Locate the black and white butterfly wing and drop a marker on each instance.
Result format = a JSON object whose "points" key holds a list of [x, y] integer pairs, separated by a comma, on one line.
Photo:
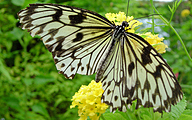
{"points": [[137, 71], [84, 42], [77, 38]]}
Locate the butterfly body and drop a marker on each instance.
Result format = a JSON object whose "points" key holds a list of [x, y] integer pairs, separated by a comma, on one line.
{"points": [[84, 42], [118, 32]]}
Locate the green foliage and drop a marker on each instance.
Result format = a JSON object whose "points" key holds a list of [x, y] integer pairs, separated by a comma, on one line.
{"points": [[31, 87], [147, 113]]}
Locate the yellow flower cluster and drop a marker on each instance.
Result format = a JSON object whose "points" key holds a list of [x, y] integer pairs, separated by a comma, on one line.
{"points": [[185, 13], [154, 40], [120, 17], [88, 100]]}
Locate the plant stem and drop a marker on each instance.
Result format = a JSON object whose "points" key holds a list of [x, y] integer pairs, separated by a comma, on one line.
{"points": [[168, 23], [153, 23]]}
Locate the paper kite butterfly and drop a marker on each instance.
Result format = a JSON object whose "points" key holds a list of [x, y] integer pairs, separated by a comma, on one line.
{"points": [[84, 42]]}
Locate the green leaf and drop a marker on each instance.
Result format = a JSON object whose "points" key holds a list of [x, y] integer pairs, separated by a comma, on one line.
{"points": [[144, 113], [4, 71], [17, 33], [43, 79], [187, 112], [177, 110], [34, 116], [58, 101], [38, 108], [185, 117], [13, 102], [146, 117], [18, 2], [113, 116], [27, 81]]}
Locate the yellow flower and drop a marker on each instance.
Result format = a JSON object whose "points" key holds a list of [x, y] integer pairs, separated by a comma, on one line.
{"points": [[111, 16], [120, 17], [185, 13], [155, 41], [88, 100]]}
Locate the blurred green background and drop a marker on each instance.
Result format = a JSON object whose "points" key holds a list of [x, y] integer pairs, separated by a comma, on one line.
{"points": [[30, 86]]}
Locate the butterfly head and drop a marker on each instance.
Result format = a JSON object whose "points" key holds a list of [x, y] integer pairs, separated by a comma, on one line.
{"points": [[129, 26], [125, 24], [120, 29]]}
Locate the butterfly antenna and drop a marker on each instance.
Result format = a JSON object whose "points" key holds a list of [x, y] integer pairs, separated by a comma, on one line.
{"points": [[147, 16], [127, 10]]}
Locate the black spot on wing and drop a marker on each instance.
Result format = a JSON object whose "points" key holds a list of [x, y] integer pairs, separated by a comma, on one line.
{"points": [[79, 36], [63, 65], [76, 19], [79, 64], [59, 47], [109, 83], [28, 26], [53, 32], [41, 29], [116, 97], [145, 56], [157, 73], [128, 92], [104, 83], [55, 60], [130, 68], [108, 92], [72, 68], [147, 85], [57, 15], [26, 18], [82, 68]]}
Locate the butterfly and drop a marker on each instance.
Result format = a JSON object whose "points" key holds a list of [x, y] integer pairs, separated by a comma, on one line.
{"points": [[84, 42]]}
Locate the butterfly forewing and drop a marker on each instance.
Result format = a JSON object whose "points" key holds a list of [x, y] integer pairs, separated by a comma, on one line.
{"points": [[84, 42], [77, 38]]}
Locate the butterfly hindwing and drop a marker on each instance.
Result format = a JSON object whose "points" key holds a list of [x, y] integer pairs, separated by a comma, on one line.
{"points": [[137, 71], [76, 37]]}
